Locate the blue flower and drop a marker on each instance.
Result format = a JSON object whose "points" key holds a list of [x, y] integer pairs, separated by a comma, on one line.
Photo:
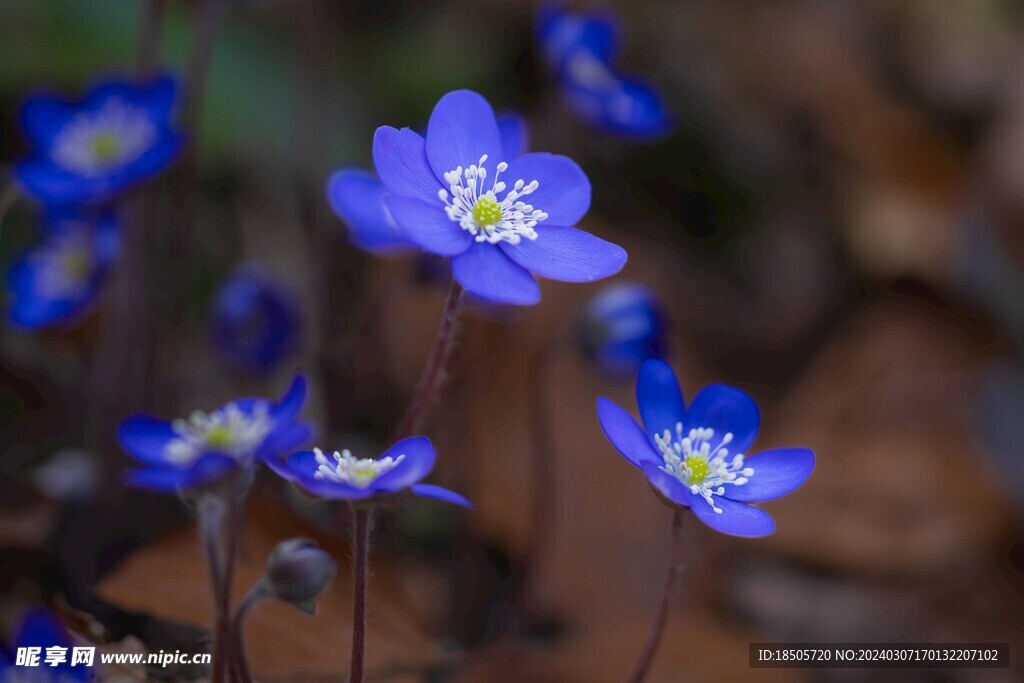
{"points": [[58, 280], [621, 327], [357, 196], [92, 150], [254, 323], [346, 477], [695, 457], [40, 629], [501, 230], [207, 446], [580, 47]]}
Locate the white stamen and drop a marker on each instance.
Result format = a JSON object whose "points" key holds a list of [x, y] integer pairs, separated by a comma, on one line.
{"points": [[518, 218], [229, 431], [348, 469], [688, 458], [94, 142]]}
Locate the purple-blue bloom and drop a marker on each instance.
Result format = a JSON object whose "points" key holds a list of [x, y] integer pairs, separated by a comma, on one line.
{"points": [[254, 322], [501, 219], [90, 150], [205, 447], [57, 280], [623, 325], [342, 476], [696, 456], [357, 196], [579, 48], [39, 628]]}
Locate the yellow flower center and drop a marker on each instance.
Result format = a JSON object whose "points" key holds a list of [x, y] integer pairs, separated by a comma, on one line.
{"points": [[106, 147], [699, 469], [219, 437], [486, 211]]}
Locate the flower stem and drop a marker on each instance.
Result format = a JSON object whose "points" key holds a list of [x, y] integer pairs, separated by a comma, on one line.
{"points": [[361, 528], [433, 373], [654, 637], [211, 517], [255, 594]]}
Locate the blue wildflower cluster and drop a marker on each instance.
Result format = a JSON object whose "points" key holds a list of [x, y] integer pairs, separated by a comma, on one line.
{"points": [[580, 48], [85, 155]]}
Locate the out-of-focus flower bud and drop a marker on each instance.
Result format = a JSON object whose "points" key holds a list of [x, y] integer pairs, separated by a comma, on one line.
{"points": [[297, 572], [621, 327]]}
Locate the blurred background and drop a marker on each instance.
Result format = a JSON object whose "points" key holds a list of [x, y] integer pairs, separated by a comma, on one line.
{"points": [[831, 220]]}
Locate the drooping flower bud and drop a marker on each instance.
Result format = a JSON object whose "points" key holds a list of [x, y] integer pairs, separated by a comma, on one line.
{"points": [[297, 572]]}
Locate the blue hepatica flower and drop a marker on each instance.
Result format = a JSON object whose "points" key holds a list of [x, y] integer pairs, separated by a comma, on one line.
{"points": [[357, 196], [207, 446], [37, 635], [580, 47], [501, 220], [58, 279], [254, 323], [695, 457], [93, 149], [342, 476], [622, 326]]}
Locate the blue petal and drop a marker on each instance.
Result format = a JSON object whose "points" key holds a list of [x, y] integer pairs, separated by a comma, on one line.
{"points": [[563, 34], [419, 460], [153, 161], [485, 270], [622, 106], [567, 254], [776, 473], [462, 129], [736, 519], [401, 161], [170, 479], [515, 136], [357, 197], [563, 192], [53, 185], [296, 467], [40, 628], [159, 96], [284, 439], [726, 410], [659, 397], [145, 438], [290, 404], [440, 493], [427, 225], [625, 434], [42, 117], [668, 485]]}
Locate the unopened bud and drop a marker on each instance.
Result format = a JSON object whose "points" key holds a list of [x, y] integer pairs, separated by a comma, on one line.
{"points": [[297, 572]]}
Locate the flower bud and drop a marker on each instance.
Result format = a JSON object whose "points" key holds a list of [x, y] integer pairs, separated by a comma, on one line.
{"points": [[622, 326], [297, 572]]}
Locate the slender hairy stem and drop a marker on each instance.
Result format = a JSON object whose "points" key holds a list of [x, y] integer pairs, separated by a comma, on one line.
{"points": [[255, 594], [233, 534], [654, 637], [433, 373], [211, 518], [8, 198], [543, 482], [361, 522]]}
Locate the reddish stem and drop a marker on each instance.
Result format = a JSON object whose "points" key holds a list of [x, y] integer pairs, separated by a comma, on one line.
{"points": [[360, 562]]}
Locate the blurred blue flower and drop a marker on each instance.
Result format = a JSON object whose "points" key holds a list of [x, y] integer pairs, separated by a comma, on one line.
{"points": [[695, 456], [91, 150], [621, 327], [40, 629], [579, 48], [438, 195], [345, 477], [207, 446], [357, 196], [254, 323], [58, 280]]}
